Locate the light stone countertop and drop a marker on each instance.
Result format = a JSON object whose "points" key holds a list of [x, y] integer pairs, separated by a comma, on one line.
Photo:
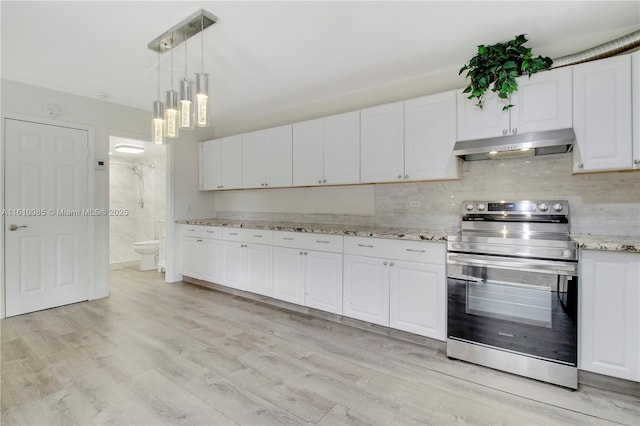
{"points": [[352, 230], [629, 244], [623, 243]]}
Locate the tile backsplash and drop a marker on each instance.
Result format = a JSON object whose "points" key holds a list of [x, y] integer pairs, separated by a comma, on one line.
{"points": [[601, 203]]}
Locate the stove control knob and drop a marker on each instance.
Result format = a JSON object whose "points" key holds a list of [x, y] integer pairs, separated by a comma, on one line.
{"points": [[557, 207], [481, 207], [543, 207], [469, 207], [566, 253]]}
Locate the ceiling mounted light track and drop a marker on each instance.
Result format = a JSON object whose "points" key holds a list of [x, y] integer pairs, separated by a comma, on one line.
{"points": [[169, 115]]}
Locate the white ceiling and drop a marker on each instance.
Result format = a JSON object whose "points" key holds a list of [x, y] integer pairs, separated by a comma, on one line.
{"points": [[267, 56]]}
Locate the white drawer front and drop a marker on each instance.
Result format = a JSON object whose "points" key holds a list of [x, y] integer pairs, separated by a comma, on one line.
{"points": [[307, 241], [202, 231], [412, 251], [247, 235]]}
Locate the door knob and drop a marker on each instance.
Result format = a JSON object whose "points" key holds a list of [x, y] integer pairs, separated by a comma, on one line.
{"points": [[14, 227]]}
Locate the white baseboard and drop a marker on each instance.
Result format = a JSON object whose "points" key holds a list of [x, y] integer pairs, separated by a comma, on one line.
{"points": [[124, 264]]}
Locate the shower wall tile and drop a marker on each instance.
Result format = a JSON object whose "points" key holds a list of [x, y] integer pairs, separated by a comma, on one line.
{"points": [[124, 193]]}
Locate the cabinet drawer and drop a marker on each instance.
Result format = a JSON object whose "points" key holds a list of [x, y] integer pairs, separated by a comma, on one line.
{"points": [[306, 241], [247, 235], [201, 231], [413, 251]]}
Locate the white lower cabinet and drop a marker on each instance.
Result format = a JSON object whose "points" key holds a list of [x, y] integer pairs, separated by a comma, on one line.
{"points": [[232, 265], [417, 299], [201, 254], [191, 257], [308, 278], [247, 267], [366, 289], [288, 274], [323, 281], [395, 283], [609, 318], [400, 284]]}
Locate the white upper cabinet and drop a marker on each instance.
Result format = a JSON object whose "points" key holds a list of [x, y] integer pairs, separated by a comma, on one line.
{"points": [[342, 148], [542, 102], [267, 158], [479, 123], [429, 136], [326, 151], [382, 143], [602, 115], [221, 163], [307, 153], [209, 165]]}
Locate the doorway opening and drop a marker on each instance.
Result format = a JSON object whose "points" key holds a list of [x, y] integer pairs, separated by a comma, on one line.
{"points": [[137, 204]]}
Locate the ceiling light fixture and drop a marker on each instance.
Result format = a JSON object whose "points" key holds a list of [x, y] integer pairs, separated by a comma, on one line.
{"points": [[188, 114], [171, 109], [186, 97], [157, 122], [129, 148], [202, 88]]}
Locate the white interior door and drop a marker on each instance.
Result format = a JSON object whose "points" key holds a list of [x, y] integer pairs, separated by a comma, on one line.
{"points": [[47, 233]]}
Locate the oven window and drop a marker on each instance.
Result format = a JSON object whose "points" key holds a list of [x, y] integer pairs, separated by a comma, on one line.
{"points": [[518, 296]]}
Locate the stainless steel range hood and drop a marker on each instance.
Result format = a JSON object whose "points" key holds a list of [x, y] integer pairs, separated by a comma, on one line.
{"points": [[520, 145]]}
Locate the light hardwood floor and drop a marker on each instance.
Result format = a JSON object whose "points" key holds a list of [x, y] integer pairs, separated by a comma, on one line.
{"points": [[155, 353]]}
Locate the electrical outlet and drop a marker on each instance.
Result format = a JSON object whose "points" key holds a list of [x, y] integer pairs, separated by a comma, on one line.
{"points": [[415, 204]]}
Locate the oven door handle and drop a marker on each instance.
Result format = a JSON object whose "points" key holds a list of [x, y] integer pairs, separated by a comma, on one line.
{"points": [[531, 265]]}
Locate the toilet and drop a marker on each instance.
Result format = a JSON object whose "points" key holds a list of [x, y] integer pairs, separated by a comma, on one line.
{"points": [[148, 250]]}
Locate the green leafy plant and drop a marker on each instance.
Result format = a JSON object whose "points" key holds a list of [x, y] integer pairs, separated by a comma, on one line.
{"points": [[496, 68]]}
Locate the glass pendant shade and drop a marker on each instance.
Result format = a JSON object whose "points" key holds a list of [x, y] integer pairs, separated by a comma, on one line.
{"points": [[157, 123], [186, 104], [171, 115], [202, 100]]}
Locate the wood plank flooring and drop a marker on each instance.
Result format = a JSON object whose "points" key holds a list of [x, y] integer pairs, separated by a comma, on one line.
{"points": [[155, 353]]}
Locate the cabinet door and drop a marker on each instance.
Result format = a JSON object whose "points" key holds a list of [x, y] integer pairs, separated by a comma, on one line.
{"points": [[257, 269], [543, 102], [254, 159], [307, 153], [366, 289], [323, 281], [211, 254], [609, 321], [288, 275], [279, 157], [342, 148], [231, 162], [602, 114], [209, 165], [382, 143], [418, 298], [429, 136], [232, 263], [191, 265], [478, 123]]}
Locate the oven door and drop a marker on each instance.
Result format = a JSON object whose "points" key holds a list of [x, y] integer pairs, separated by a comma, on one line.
{"points": [[527, 306]]}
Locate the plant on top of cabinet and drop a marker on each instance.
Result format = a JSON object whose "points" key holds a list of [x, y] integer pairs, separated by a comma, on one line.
{"points": [[496, 67]]}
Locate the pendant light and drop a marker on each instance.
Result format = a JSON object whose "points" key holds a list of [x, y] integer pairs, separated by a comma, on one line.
{"points": [[202, 87], [171, 110], [184, 111], [186, 96], [157, 122]]}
